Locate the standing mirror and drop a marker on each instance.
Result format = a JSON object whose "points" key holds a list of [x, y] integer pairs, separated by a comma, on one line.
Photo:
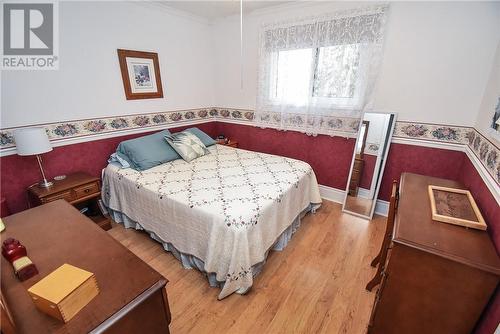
{"points": [[368, 162]]}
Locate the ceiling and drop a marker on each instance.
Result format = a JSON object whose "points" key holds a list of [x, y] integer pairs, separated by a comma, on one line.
{"points": [[218, 9]]}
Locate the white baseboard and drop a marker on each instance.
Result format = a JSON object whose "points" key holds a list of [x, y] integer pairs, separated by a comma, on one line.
{"points": [[382, 208], [332, 194], [337, 196]]}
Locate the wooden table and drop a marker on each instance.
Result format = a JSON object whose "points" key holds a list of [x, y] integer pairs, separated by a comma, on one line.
{"points": [[439, 276], [80, 189], [132, 295]]}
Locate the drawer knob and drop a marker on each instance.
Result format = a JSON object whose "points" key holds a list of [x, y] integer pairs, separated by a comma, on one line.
{"points": [[87, 190]]}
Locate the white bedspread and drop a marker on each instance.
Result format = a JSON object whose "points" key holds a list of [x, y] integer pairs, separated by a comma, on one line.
{"points": [[227, 208]]}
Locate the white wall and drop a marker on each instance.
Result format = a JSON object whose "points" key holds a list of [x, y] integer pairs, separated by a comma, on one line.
{"points": [[89, 84], [490, 101], [377, 129], [437, 62], [437, 58]]}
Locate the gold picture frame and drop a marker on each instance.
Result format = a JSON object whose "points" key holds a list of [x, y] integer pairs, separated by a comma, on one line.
{"points": [[455, 206]]}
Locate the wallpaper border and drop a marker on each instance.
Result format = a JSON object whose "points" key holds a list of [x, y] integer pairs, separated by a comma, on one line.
{"points": [[106, 125], [486, 152]]}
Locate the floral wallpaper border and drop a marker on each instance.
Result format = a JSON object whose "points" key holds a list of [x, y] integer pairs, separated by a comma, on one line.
{"points": [[88, 127], [486, 151]]}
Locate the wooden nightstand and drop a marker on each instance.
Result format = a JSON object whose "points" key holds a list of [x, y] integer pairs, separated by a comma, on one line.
{"points": [[231, 143], [79, 189]]}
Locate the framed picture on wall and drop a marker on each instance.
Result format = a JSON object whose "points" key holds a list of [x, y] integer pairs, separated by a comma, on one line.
{"points": [[140, 74]]}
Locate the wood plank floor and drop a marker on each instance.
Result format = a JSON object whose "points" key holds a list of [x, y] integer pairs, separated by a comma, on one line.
{"points": [[315, 285]]}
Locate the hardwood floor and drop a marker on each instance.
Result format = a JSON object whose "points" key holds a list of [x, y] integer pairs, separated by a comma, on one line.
{"points": [[316, 285]]}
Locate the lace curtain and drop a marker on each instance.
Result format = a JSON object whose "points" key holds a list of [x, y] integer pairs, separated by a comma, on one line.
{"points": [[317, 75]]}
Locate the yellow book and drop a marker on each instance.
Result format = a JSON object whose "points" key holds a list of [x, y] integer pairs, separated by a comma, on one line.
{"points": [[64, 292]]}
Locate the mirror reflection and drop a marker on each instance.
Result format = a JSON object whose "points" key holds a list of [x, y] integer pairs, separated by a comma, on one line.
{"points": [[368, 163]]}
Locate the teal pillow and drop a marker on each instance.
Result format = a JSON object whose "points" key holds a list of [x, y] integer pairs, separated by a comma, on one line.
{"points": [[148, 151], [205, 139]]}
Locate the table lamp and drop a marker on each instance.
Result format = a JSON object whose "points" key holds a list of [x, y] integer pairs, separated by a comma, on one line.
{"points": [[33, 141]]}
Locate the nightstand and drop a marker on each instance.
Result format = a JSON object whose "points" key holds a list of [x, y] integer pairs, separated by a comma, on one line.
{"points": [[231, 143], [79, 189]]}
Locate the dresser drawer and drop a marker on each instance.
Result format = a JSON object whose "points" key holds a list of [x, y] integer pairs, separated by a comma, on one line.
{"points": [[86, 190], [66, 195]]}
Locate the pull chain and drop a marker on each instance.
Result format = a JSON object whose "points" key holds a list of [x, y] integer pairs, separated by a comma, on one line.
{"points": [[241, 44]]}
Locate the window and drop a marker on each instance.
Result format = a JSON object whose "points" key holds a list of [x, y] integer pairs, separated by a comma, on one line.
{"points": [[336, 74], [292, 74], [333, 71], [314, 71]]}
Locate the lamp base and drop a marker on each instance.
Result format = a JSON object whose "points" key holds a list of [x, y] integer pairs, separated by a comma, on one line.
{"points": [[45, 184]]}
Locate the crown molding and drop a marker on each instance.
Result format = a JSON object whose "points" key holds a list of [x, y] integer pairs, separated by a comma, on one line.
{"points": [[299, 5], [160, 5]]}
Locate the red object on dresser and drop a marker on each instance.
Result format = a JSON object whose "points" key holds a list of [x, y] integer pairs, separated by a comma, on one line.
{"points": [[16, 254]]}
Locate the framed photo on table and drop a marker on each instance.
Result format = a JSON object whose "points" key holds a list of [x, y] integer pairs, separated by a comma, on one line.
{"points": [[455, 206], [140, 74]]}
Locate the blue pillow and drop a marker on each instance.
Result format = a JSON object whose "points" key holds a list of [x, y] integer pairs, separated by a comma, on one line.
{"points": [[205, 139], [120, 160], [148, 151]]}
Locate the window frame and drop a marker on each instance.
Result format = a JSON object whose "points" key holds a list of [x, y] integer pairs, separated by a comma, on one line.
{"points": [[340, 102]]}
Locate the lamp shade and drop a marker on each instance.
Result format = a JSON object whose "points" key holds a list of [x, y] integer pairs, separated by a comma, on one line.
{"points": [[31, 141]]}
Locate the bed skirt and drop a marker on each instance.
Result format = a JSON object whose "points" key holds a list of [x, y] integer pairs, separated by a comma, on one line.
{"points": [[189, 261]]}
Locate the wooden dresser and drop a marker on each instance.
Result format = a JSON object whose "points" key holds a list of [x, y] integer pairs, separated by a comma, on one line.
{"points": [[132, 297], [438, 277], [357, 172]]}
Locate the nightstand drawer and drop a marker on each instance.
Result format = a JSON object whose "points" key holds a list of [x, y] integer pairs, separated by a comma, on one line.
{"points": [[66, 195], [85, 190]]}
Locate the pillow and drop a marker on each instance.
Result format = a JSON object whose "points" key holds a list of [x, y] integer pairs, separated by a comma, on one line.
{"points": [[205, 139], [187, 145], [148, 151], [119, 160]]}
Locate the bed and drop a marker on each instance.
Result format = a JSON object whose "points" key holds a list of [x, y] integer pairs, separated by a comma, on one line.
{"points": [[220, 213]]}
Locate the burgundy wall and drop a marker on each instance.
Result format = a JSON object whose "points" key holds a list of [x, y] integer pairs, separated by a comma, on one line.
{"points": [[17, 173], [330, 158], [434, 162], [471, 179]]}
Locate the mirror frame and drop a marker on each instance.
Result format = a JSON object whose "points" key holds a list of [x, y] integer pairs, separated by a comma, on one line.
{"points": [[382, 167]]}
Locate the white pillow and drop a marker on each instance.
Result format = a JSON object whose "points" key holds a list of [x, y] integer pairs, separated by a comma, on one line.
{"points": [[187, 145]]}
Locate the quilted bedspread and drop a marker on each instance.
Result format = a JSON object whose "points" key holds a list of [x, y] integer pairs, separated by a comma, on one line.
{"points": [[226, 208]]}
